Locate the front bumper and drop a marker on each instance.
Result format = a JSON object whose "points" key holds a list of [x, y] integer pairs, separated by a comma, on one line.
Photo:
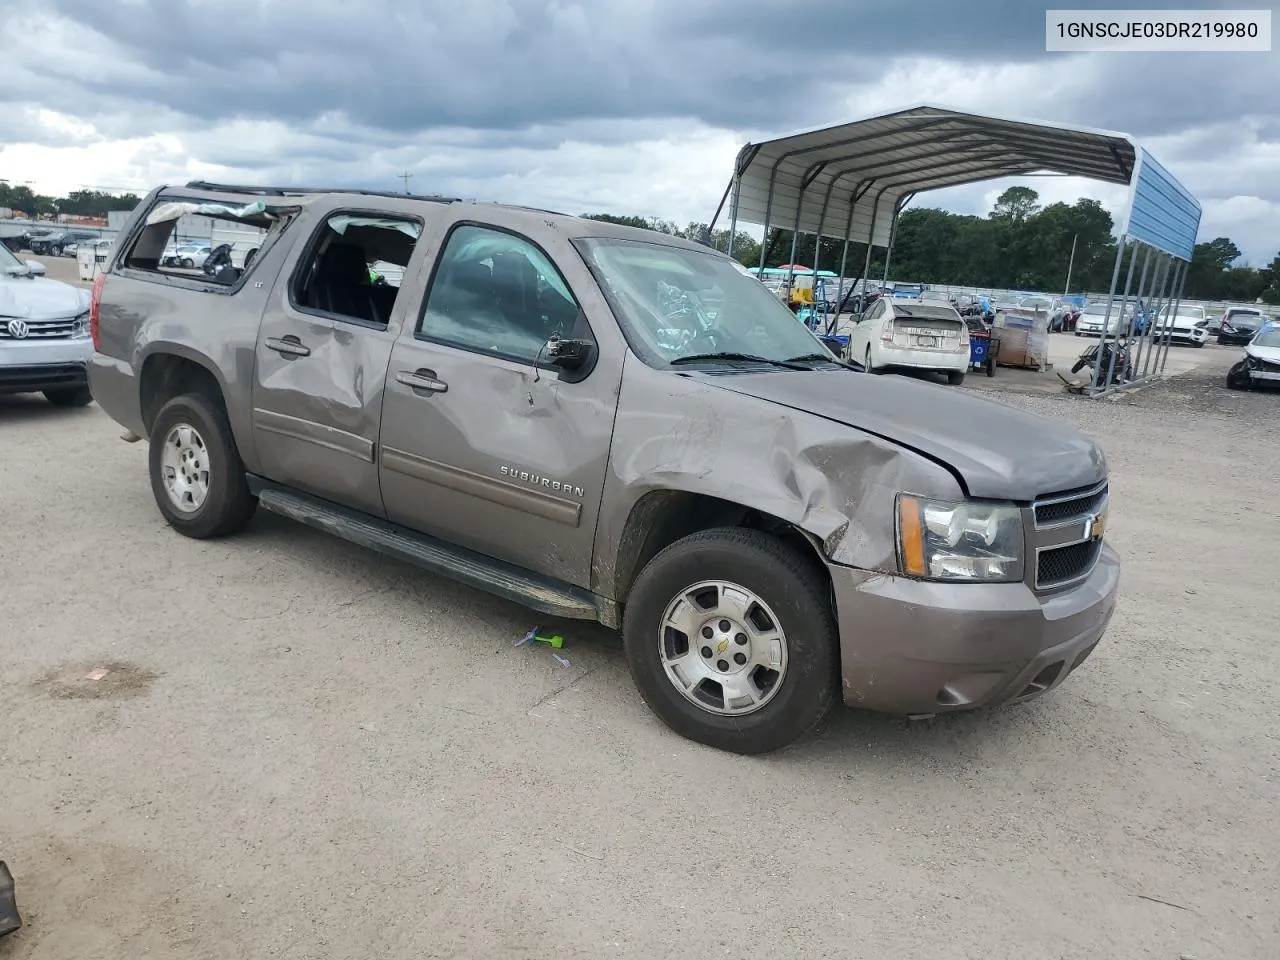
{"points": [[915, 647], [27, 366]]}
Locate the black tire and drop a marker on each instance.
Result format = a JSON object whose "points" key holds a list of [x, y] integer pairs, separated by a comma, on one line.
{"points": [[1199, 343], [991, 366], [69, 397], [955, 377], [228, 506], [1079, 365], [866, 361], [186, 263], [1238, 377], [784, 578]]}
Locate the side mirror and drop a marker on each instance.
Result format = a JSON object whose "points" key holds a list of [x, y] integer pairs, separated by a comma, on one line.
{"points": [[568, 354], [35, 268]]}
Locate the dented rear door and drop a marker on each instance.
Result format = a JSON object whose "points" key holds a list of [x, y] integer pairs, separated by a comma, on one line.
{"points": [[483, 443]]}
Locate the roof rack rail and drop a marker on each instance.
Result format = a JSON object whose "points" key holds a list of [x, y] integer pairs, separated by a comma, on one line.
{"points": [[302, 191]]}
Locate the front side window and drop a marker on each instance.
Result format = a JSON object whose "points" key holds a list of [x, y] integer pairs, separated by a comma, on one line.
{"points": [[494, 292], [345, 273], [680, 305]]}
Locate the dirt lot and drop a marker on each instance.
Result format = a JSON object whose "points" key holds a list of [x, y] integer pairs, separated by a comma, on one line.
{"points": [[303, 750]]}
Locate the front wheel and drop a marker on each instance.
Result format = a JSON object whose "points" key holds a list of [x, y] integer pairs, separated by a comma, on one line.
{"points": [[69, 397], [197, 476], [186, 263], [731, 640], [1238, 377]]}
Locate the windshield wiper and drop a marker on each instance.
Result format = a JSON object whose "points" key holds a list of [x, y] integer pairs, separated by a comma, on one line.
{"points": [[817, 358], [743, 357]]}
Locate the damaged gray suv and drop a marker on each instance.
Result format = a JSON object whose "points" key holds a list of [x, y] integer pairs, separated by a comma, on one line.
{"points": [[605, 423]]}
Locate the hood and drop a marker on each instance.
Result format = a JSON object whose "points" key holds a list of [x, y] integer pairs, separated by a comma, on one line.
{"points": [[996, 451], [37, 298], [1269, 354]]}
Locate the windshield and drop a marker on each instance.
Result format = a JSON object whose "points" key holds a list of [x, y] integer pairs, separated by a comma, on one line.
{"points": [[676, 303], [1268, 337], [9, 264]]}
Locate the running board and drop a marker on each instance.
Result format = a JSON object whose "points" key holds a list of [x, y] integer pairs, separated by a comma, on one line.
{"points": [[457, 563]]}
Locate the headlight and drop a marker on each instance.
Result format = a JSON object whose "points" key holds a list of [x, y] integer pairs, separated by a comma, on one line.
{"points": [[959, 541], [81, 327]]}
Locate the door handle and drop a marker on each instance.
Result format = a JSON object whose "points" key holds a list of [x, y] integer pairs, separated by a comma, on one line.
{"points": [[288, 347], [424, 380]]}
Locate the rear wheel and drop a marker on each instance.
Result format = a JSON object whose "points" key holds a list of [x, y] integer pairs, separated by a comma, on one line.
{"points": [[955, 377], [69, 397], [866, 361], [197, 476], [731, 640]]}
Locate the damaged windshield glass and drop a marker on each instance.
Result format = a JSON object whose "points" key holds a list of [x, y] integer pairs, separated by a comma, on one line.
{"points": [[686, 307]]}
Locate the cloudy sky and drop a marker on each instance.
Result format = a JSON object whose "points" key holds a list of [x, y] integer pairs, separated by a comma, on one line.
{"points": [[626, 106]]}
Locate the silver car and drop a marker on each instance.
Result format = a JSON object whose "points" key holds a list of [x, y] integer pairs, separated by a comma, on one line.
{"points": [[44, 334]]}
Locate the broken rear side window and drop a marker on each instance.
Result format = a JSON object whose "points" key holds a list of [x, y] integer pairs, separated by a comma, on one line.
{"points": [[206, 242], [353, 267]]}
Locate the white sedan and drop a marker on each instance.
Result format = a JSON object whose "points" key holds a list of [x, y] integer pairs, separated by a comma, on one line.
{"points": [[913, 335]]}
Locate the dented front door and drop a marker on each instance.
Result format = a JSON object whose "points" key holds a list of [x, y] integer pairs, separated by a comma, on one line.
{"points": [[483, 444]]}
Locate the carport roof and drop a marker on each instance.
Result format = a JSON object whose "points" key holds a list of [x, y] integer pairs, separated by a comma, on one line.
{"points": [[850, 179]]}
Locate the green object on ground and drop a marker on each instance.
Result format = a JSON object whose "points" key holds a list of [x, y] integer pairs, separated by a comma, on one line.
{"points": [[555, 640]]}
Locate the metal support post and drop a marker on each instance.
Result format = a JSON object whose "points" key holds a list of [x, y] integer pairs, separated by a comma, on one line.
{"points": [[1184, 268], [1111, 295], [1159, 281], [733, 216]]}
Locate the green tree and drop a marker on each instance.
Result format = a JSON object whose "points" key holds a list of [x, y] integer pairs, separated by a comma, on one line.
{"points": [[1016, 203]]}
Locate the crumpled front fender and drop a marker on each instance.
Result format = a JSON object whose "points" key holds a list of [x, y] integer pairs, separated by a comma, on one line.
{"points": [[834, 482]]}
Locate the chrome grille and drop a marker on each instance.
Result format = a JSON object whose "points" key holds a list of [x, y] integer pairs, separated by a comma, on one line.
{"points": [[42, 329], [1066, 536], [1070, 506]]}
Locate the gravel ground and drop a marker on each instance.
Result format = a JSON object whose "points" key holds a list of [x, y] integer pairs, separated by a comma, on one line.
{"points": [[304, 750]]}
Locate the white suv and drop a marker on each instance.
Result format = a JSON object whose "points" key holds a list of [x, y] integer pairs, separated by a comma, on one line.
{"points": [[911, 334]]}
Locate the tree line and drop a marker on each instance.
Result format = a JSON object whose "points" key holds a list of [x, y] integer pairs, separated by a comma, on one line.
{"points": [[81, 203], [1019, 245]]}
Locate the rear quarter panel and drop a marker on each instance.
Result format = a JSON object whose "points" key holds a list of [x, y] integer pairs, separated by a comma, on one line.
{"points": [[143, 314]]}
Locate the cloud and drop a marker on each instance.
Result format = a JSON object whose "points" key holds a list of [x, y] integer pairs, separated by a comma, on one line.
{"points": [[635, 107]]}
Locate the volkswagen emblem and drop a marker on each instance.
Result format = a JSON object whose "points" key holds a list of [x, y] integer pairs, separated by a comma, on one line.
{"points": [[18, 329]]}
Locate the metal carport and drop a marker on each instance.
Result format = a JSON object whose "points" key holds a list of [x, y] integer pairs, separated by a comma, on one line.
{"points": [[851, 182]]}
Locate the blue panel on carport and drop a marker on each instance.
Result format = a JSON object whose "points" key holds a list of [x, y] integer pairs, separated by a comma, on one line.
{"points": [[1162, 212]]}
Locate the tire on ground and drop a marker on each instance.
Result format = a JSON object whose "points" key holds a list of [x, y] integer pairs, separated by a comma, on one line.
{"points": [[228, 506], [791, 584]]}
